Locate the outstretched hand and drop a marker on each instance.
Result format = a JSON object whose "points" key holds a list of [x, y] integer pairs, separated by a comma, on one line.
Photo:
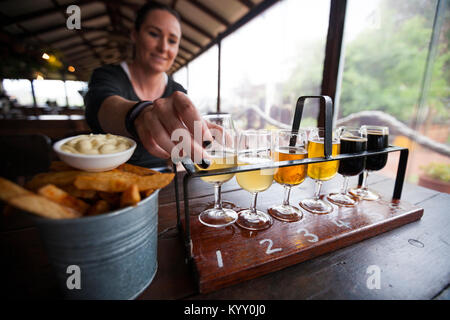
{"points": [[157, 123]]}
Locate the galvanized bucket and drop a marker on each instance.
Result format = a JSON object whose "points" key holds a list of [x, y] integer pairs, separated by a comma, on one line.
{"points": [[109, 256]]}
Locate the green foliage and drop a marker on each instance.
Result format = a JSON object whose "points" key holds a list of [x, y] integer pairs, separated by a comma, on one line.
{"points": [[439, 171], [384, 66]]}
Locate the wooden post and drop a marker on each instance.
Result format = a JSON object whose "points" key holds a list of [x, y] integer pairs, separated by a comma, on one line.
{"points": [[332, 53]]}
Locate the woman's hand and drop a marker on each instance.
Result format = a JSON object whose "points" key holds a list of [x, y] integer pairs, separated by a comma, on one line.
{"points": [[156, 124]]}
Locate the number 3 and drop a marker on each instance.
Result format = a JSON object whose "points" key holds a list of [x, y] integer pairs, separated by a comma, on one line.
{"points": [[307, 234]]}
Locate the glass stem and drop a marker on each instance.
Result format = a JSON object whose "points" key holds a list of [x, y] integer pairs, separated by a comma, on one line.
{"points": [[345, 185], [364, 182], [217, 196], [287, 193], [253, 206], [318, 189]]}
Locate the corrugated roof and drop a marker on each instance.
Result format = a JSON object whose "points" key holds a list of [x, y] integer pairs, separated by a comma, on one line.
{"points": [[105, 28]]}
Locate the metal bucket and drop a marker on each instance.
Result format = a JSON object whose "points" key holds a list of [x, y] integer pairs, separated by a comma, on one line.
{"points": [[114, 255]]}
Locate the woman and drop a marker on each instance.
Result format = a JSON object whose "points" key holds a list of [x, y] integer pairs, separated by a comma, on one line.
{"points": [[139, 99]]}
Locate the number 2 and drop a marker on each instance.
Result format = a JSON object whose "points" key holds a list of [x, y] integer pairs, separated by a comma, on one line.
{"points": [[269, 249]]}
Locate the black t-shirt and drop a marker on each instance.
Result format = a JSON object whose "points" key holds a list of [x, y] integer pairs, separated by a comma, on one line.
{"points": [[110, 80]]}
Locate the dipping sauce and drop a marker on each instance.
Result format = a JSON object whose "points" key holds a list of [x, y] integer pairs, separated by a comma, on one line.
{"points": [[96, 144]]}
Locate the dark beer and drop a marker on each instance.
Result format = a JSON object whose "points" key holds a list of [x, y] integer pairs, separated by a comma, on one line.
{"points": [[354, 166], [376, 141]]}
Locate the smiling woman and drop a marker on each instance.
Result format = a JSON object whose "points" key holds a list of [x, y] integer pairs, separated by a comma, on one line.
{"points": [[138, 99]]}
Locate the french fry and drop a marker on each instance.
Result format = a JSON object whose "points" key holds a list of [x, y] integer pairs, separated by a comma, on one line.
{"points": [[77, 193], [147, 193], [57, 178], [57, 195], [130, 197], [42, 206], [23, 199], [140, 171], [10, 190], [101, 206], [112, 181], [113, 198]]}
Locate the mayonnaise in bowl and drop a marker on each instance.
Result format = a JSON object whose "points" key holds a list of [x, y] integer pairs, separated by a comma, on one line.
{"points": [[95, 144]]}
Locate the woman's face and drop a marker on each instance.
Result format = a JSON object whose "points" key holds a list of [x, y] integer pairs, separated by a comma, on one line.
{"points": [[157, 40]]}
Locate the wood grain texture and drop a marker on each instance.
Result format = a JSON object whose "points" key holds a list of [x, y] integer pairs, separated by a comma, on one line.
{"points": [[245, 255], [414, 259]]}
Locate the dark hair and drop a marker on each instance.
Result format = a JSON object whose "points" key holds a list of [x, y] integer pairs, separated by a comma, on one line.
{"points": [[150, 6]]}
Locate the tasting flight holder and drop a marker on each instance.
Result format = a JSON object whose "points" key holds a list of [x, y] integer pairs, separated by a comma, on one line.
{"points": [[221, 257]]}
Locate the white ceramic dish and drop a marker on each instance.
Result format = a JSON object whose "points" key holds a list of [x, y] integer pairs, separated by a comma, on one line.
{"points": [[93, 162]]}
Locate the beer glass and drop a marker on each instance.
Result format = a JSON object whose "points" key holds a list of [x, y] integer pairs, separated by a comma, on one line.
{"points": [[352, 140], [254, 148], [288, 145], [320, 172], [377, 139], [221, 154]]}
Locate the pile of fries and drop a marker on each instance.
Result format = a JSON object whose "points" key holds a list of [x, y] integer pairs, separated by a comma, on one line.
{"points": [[65, 192]]}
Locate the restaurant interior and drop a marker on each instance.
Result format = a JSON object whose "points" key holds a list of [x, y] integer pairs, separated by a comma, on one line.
{"points": [[382, 62]]}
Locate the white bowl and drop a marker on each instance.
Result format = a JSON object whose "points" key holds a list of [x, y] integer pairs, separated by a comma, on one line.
{"points": [[94, 162]]}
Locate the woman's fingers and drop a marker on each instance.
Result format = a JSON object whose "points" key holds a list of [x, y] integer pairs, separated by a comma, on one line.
{"points": [[164, 136], [189, 115]]}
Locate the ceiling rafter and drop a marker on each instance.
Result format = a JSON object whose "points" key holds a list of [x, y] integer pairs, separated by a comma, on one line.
{"points": [[210, 12], [59, 27], [78, 45], [247, 3], [79, 32], [41, 13]]}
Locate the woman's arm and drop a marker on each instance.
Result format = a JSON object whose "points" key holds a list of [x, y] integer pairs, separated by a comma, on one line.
{"points": [[156, 123], [111, 115]]}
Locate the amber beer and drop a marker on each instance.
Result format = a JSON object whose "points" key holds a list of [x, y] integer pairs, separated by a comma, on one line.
{"points": [[290, 175], [255, 181], [220, 160], [325, 170]]}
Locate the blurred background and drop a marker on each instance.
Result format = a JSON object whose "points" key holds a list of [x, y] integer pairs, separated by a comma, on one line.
{"points": [[383, 62]]}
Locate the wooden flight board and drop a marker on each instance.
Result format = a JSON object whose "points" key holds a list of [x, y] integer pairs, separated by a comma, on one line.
{"points": [[230, 255]]}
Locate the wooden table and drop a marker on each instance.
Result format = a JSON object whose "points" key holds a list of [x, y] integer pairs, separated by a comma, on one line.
{"points": [[53, 126], [413, 260]]}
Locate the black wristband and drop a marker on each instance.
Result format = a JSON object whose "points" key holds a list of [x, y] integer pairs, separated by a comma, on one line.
{"points": [[131, 116]]}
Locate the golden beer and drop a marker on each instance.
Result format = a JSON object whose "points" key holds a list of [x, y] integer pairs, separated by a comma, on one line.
{"points": [[220, 160], [255, 181], [325, 170], [290, 175]]}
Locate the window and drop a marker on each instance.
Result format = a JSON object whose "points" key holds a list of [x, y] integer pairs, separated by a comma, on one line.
{"points": [[181, 76], [48, 92], [386, 45], [271, 61], [75, 91], [202, 79], [19, 90]]}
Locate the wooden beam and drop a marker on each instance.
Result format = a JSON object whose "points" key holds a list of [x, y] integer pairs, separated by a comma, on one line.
{"points": [[247, 3], [196, 28], [187, 50], [80, 34], [58, 27], [210, 12], [191, 41], [41, 13], [332, 53]]}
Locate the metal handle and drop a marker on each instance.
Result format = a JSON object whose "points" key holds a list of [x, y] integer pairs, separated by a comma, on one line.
{"points": [[328, 120]]}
